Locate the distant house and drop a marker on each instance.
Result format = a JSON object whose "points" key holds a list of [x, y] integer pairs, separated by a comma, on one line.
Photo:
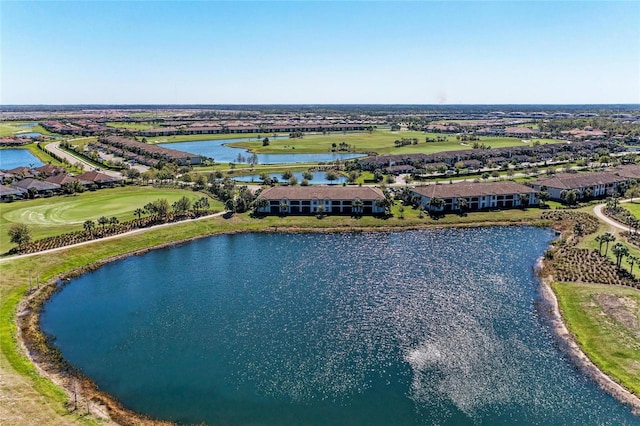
{"points": [[100, 179], [327, 199], [49, 170], [478, 196], [36, 186], [629, 171], [8, 194], [399, 169], [62, 179], [21, 172], [597, 184]]}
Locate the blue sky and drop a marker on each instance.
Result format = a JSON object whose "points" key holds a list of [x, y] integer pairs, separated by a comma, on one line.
{"points": [[429, 52]]}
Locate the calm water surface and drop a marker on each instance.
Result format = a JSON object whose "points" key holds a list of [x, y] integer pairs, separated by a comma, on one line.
{"points": [[411, 328], [318, 178], [11, 158], [222, 154]]}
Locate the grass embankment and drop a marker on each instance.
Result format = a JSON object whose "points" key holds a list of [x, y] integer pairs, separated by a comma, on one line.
{"points": [[380, 141], [62, 214], [605, 322]]}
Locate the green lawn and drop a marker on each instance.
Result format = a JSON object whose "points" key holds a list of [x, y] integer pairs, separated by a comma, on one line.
{"points": [[633, 207], [601, 319], [131, 126], [380, 141], [189, 138], [61, 214], [10, 128]]}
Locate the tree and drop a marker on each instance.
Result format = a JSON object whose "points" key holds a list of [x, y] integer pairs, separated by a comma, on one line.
{"points": [[462, 204], [265, 142], [202, 203], [19, 234], [544, 196], [524, 200], [286, 175], [103, 220], [88, 226], [139, 212], [619, 250], [182, 205], [632, 260], [260, 204], [113, 221], [436, 204], [608, 238], [598, 239], [230, 205], [331, 175], [161, 207], [308, 175]]}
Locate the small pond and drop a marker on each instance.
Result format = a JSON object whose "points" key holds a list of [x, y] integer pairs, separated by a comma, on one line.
{"points": [[222, 153], [318, 178], [12, 158]]}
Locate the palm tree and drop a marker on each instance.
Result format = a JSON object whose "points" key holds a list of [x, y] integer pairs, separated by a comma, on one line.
{"points": [[114, 221], [139, 212], [284, 207], [462, 204], [88, 226], [436, 203], [103, 220], [632, 260], [619, 250], [608, 238], [357, 205], [524, 200], [600, 240]]}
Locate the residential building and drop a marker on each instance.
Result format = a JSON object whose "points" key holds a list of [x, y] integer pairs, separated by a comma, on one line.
{"points": [[326, 199], [478, 196], [590, 185]]}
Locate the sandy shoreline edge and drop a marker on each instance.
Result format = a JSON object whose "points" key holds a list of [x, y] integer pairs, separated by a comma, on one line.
{"points": [[51, 365], [570, 347]]}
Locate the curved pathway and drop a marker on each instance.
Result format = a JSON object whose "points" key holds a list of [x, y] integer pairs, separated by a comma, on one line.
{"points": [[603, 217], [97, 240]]}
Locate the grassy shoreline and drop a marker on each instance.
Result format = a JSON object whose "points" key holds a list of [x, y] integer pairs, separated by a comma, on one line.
{"points": [[17, 273]]}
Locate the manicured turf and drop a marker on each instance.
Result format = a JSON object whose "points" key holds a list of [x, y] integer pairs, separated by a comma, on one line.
{"points": [[131, 126], [633, 207], [380, 141], [187, 138], [56, 215], [600, 329], [9, 128]]}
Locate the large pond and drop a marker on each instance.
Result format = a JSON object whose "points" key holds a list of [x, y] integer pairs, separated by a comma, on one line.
{"points": [[222, 153], [318, 178], [12, 158], [418, 327]]}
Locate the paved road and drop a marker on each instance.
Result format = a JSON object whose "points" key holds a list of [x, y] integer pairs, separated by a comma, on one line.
{"points": [[99, 240], [55, 148]]}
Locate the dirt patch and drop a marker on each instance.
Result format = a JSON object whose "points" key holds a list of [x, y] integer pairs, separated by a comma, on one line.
{"points": [[617, 308]]}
